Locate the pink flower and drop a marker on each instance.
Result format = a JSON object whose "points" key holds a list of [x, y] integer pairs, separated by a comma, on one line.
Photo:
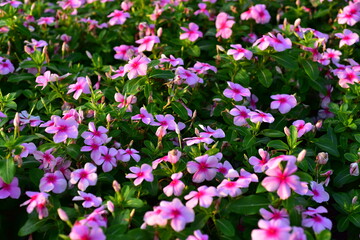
{"points": [[240, 114], [80, 232], [244, 179], [348, 76], [333, 55], [347, 38], [86, 176], [203, 196], [196, 140], [259, 116], [63, 129], [125, 155], [47, 160], [263, 42], [155, 217], [107, 158], [260, 164], [302, 127], [37, 200], [98, 134], [198, 236], [118, 17], [10, 190], [176, 186], [236, 91], [178, 213], [283, 102], [224, 167], [223, 25], [297, 234], [318, 193], [279, 43], [93, 146], [271, 230], [55, 182], [144, 116], [204, 168], [229, 188], [192, 33], [43, 80], [172, 60], [209, 132], [350, 14], [125, 101], [315, 220], [239, 52], [202, 9], [46, 20], [118, 73], [90, 200], [6, 66], [81, 86], [141, 173], [258, 13], [136, 67], [282, 180], [189, 77], [147, 43], [275, 214], [124, 52]]}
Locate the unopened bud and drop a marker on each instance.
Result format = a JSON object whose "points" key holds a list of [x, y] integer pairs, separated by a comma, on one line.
{"points": [[88, 54], [301, 155], [354, 169], [159, 32], [297, 23], [174, 156], [108, 118], [354, 200], [62, 214], [177, 130], [287, 131], [17, 120], [220, 48], [322, 158], [318, 124], [116, 186], [110, 206], [278, 69]]}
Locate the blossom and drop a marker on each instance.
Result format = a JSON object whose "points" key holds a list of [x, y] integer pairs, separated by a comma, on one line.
{"points": [[145, 117], [347, 38], [192, 33], [107, 158], [6, 66], [172, 60], [43, 80], [37, 200], [178, 213], [240, 114], [224, 167], [236, 91], [204, 168], [155, 217], [55, 182], [47, 160], [354, 169], [176, 186], [196, 140], [318, 193], [124, 52], [297, 234], [332, 54], [260, 164], [348, 76], [125, 101], [118, 17], [189, 77], [141, 173], [147, 43], [124, 155], [46, 20], [81, 86], [90, 200], [63, 129], [93, 133], [203, 196], [223, 25], [136, 67], [229, 188], [93, 146], [80, 232], [258, 13], [302, 127], [315, 220], [350, 14], [239, 52], [209, 132], [263, 42], [279, 43], [202, 9], [10, 190], [86, 176], [275, 214], [198, 236], [283, 102], [259, 116], [271, 230]]}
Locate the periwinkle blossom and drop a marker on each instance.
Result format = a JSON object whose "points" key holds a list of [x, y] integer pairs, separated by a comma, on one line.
{"points": [[10, 190], [271, 230], [125, 102], [141, 173], [263, 42], [80, 232], [47, 160], [45, 21], [279, 43], [298, 234], [164, 122], [189, 77], [84, 177], [81, 86], [63, 129], [118, 17], [333, 55], [238, 52], [39, 201], [176, 186], [204, 168], [209, 132], [144, 116], [196, 140], [275, 214], [192, 33], [229, 188], [283, 102], [13, 3], [90, 200], [198, 236], [243, 179], [258, 12], [202, 10], [6, 66], [202, 197], [312, 218], [107, 158], [260, 164], [93, 146], [179, 214], [223, 25], [136, 67], [354, 169], [172, 60], [240, 114], [318, 192], [124, 52], [125, 155], [43, 80], [2, 115], [155, 217], [54, 182], [66, 4], [93, 133], [28, 148], [302, 127], [350, 15], [147, 43], [224, 168], [347, 38], [259, 116], [236, 91], [348, 76]]}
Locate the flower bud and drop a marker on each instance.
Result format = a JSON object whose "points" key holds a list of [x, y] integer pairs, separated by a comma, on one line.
{"points": [[88, 54], [17, 121], [318, 124], [297, 23], [62, 214], [110, 206], [159, 32], [301, 155], [322, 158], [174, 156], [287, 131], [354, 200], [116, 186], [354, 169]]}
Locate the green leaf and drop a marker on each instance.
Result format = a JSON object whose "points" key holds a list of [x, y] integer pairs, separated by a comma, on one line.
{"points": [[265, 77], [193, 51], [7, 169], [28, 64], [272, 133], [355, 219], [351, 157], [163, 74], [133, 86], [179, 110], [325, 144], [249, 141], [343, 223], [324, 235], [278, 144], [357, 137], [311, 69], [30, 226], [343, 177], [249, 205], [200, 221], [73, 150], [135, 203], [243, 78], [21, 77], [225, 227], [153, 63], [286, 60], [293, 137]]}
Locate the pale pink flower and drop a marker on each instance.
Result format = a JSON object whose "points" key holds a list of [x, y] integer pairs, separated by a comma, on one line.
{"points": [[172, 60], [260, 164], [125, 101], [70, 3], [223, 25], [202, 68], [90, 200], [297, 234], [6, 66], [93, 133], [244, 179], [124, 52], [14, 4], [204, 168], [279, 43], [347, 38], [81, 86], [118, 17], [80, 232], [318, 192], [136, 67], [107, 158], [202, 9], [327, 174], [46, 159], [96, 218], [271, 230], [63, 129], [203, 196], [176, 186], [224, 168], [263, 42], [43, 80], [258, 13], [315, 220], [155, 217], [229, 188], [86, 176], [189, 77], [302, 127], [46, 20], [196, 140], [239, 52], [144, 116], [29, 148], [209, 132], [178, 213], [332, 54], [93, 146], [350, 15], [141, 173], [125, 155], [55, 182], [37, 200], [147, 43], [240, 114], [275, 214], [259, 116], [348, 76], [192, 33], [198, 236], [10, 190], [236, 91], [118, 73], [283, 102]]}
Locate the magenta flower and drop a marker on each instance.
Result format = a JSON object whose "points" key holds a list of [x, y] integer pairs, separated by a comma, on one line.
{"points": [[86, 176], [297, 234], [260, 14], [141, 173], [43, 80], [282, 180], [99, 134], [80, 232], [318, 193], [136, 67], [350, 15], [125, 155], [275, 214], [347, 38], [55, 182], [224, 168], [239, 52], [259, 116], [229, 188], [315, 220], [144, 116], [29, 148], [196, 140], [176, 186], [244, 178], [223, 25], [172, 60], [204, 168], [260, 164], [198, 236], [93, 146], [10, 190], [147, 43], [45, 20], [279, 43], [6, 66], [178, 213], [125, 102], [202, 9], [118, 17], [47, 160], [189, 77], [209, 132], [203, 196], [90, 200], [332, 54], [192, 33], [63, 129], [37, 200], [155, 217], [302, 127], [240, 114], [271, 230], [81, 86], [263, 42], [236, 91], [348, 76], [283, 102], [107, 158], [124, 52]]}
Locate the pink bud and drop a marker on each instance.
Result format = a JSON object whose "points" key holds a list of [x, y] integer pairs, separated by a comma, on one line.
{"points": [[110, 206], [116, 186], [287, 131], [62, 214], [17, 120], [301, 155], [354, 169], [322, 158]]}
